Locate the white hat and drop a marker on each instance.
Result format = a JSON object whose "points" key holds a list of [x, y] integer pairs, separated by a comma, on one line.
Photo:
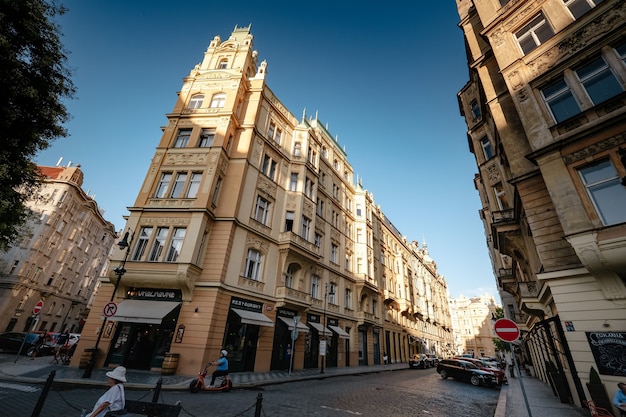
{"points": [[119, 374], [224, 352]]}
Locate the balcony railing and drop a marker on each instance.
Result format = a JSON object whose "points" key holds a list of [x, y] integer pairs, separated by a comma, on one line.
{"points": [[289, 295], [503, 216], [297, 240]]}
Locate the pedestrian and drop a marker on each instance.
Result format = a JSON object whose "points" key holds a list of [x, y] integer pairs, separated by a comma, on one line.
{"points": [[41, 339], [619, 399], [62, 340], [385, 358], [114, 399], [222, 367], [288, 357]]}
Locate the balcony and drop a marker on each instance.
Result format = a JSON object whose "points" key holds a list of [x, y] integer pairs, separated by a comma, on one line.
{"points": [[158, 275], [366, 319], [504, 228], [295, 241], [289, 296]]}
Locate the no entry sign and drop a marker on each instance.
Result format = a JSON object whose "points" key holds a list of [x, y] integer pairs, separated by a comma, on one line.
{"points": [[38, 307], [506, 330]]}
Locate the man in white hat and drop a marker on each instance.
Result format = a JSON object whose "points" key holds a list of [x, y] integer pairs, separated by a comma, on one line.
{"points": [[114, 398]]}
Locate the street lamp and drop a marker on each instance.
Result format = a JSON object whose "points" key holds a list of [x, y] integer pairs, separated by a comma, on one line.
{"points": [[326, 294], [119, 271]]}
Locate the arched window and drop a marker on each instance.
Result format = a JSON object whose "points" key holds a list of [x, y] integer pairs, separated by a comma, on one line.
{"points": [[196, 101], [223, 64], [218, 100], [253, 265]]}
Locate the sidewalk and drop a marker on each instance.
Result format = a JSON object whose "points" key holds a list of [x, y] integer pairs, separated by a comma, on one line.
{"points": [[511, 402], [541, 400]]}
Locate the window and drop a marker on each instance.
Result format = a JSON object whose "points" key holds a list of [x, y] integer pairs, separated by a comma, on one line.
{"points": [[142, 243], [216, 191], [334, 251], [164, 184], [183, 138], [206, 138], [176, 243], [269, 167], [534, 33], [253, 265], [297, 149], [315, 287], [289, 216], [319, 207], [261, 210], [607, 194], [359, 212], [487, 149], [196, 101], [318, 241], [218, 100], [621, 50], [274, 133], [179, 185], [332, 293], [194, 185], [348, 298], [559, 98], [599, 81], [158, 244], [293, 182], [475, 110], [305, 228], [580, 7], [309, 186], [312, 156], [223, 64], [289, 277]]}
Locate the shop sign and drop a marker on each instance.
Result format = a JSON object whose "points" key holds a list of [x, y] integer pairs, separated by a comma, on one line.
{"points": [[608, 350], [242, 304], [157, 294]]}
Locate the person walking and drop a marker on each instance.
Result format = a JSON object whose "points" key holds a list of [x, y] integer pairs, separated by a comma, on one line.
{"points": [[41, 339], [62, 340], [114, 399]]}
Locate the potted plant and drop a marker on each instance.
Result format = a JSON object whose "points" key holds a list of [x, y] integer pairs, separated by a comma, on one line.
{"points": [[597, 390]]}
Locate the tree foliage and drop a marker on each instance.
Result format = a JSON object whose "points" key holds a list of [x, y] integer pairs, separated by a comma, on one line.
{"points": [[34, 82]]}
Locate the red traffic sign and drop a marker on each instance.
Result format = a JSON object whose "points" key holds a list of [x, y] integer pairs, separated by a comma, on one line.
{"points": [[38, 307], [110, 309], [506, 330]]}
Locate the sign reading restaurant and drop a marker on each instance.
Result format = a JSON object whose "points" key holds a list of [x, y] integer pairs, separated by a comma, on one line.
{"points": [[242, 304]]}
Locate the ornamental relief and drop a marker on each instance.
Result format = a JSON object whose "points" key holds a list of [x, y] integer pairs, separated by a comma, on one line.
{"points": [[291, 203], [591, 150], [579, 39], [223, 162], [334, 235], [164, 221], [257, 243], [267, 187], [186, 158], [307, 209], [493, 174]]}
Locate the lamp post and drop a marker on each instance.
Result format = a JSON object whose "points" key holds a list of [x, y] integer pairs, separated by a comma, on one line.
{"points": [[326, 294], [119, 271]]}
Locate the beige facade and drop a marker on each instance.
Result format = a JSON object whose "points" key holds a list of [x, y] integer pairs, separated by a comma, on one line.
{"points": [[545, 108], [63, 249], [474, 317], [250, 217]]}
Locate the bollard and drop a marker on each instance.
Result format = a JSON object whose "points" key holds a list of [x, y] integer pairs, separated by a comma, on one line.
{"points": [[157, 391], [259, 407], [44, 394]]}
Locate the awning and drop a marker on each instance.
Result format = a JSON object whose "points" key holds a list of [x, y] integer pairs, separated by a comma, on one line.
{"points": [[252, 317], [143, 311], [340, 332], [289, 322], [321, 329]]}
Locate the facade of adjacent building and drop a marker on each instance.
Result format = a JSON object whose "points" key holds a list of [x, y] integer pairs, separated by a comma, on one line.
{"points": [[545, 107], [474, 317], [250, 234], [62, 250]]}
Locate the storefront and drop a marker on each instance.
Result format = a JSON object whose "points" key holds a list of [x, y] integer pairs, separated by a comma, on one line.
{"points": [[245, 318], [312, 341], [332, 347], [289, 326], [146, 321]]}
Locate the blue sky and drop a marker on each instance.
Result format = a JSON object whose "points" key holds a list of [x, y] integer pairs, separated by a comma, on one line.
{"points": [[382, 75]]}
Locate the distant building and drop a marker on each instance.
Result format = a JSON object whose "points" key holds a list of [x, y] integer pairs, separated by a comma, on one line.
{"points": [[545, 107], [62, 251], [475, 328], [250, 231]]}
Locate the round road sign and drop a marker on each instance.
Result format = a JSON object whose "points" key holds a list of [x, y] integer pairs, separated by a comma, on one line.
{"points": [[110, 309], [38, 307], [506, 330]]}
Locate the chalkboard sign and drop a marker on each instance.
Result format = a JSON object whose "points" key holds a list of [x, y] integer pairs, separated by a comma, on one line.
{"points": [[609, 351]]}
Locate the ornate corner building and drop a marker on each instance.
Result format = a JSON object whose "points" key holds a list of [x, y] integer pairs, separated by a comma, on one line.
{"points": [[545, 107], [249, 233], [62, 250]]}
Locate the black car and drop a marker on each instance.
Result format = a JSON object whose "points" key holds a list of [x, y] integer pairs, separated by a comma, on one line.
{"points": [[12, 341], [465, 371], [419, 360]]}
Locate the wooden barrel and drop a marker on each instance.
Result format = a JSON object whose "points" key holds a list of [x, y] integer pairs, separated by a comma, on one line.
{"points": [[84, 358], [170, 363]]}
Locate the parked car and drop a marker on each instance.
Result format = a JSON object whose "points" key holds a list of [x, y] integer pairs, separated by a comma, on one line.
{"points": [[488, 366], [433, 359], [12, 341], [466, 371], [419, 360]]}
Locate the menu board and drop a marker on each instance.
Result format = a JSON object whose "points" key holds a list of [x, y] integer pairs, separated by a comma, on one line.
{"points": [[609, 351]]}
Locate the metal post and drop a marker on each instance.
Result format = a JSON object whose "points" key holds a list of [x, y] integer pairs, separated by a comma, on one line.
{"points": [[157, 391], [119, 271], [324, 329], [259, 406], [44, 394], [521, 384]]}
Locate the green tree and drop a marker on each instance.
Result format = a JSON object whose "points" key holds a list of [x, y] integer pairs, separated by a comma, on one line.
{"points": [[500, 345], [34, 82]]}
